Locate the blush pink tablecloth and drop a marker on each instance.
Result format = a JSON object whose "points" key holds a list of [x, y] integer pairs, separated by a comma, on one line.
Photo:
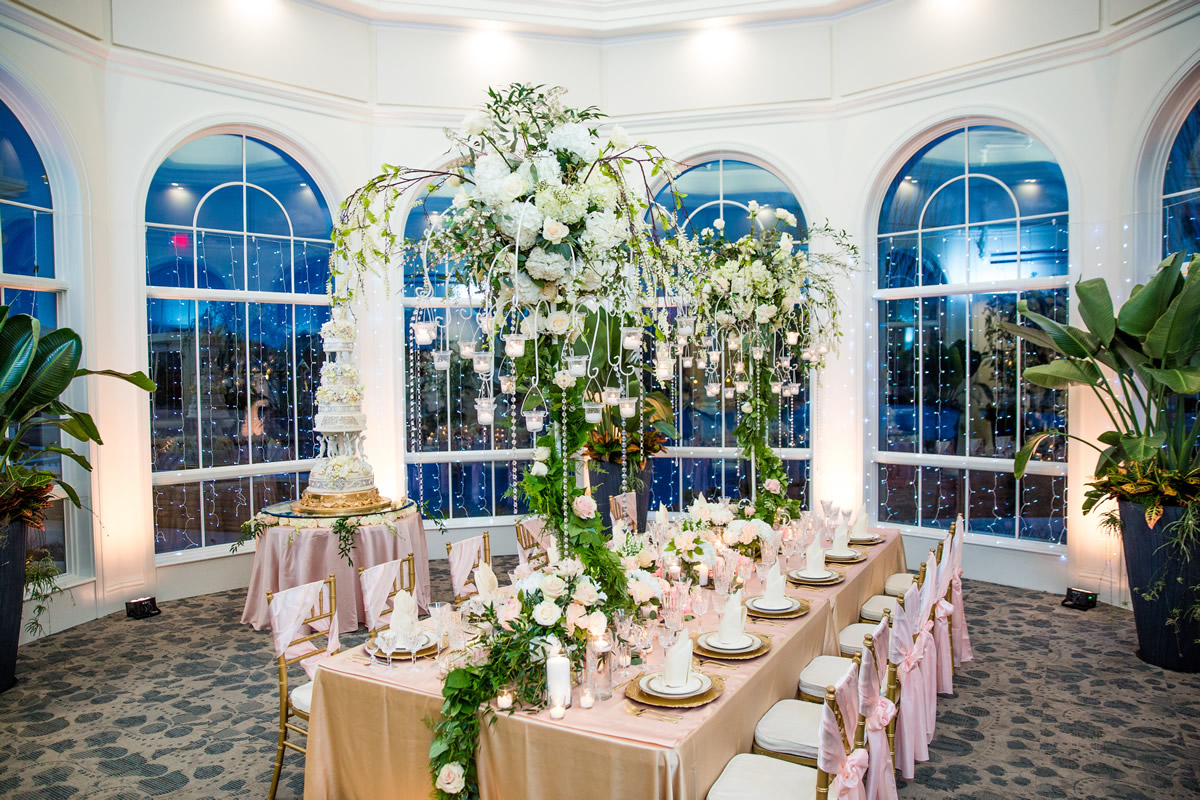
{"points": [[366, 737], [287, 557]]}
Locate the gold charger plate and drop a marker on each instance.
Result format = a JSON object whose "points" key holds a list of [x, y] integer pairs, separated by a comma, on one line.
{"points": [[721, 655], [634, 692], [841, 576], [403, 655], [868, 542], [793, 614], [858, 556]]}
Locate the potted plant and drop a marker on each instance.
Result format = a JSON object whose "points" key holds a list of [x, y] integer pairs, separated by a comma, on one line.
{"points": [[604, 448], [35, 370], [1143, 364]]}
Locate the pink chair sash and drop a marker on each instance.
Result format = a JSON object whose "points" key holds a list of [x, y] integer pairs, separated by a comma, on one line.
{"points": [[848, 770], [377, 583], [941, 640], [958, 629], [929, 663], [906, 653], [463, 556], [289, 608], [878, 712], [535, 526]]}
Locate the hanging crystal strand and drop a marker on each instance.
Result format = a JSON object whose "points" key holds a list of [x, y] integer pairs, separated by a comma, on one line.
{"points": [[413, 395], [560, 431], [624, 460]]}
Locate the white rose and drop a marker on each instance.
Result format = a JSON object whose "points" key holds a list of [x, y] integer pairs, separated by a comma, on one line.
{"points": [[645, 558], [538, 470], [618, 137], [719, 224], [513, 187], [753, 206], [585, 593], [629, 563], [546, 612], [564, 379], [475, 123], [747, 408], [596, 623], [452, 779], [558, 323], [541, 453], [764, 313], [553, 587], [554, 231]]}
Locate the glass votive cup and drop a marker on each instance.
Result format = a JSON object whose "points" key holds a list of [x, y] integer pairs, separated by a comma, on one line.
{"points": [[793, 337], [482, 362], [611, 395], [577, 366], [728, 391], [441, 360], [592, 412], [485, 410], [741, 386], [628, 406], [514, 345], [508, 384], [712, 389], [423, 332], [466, 348], [534, 420], [631, 338]]}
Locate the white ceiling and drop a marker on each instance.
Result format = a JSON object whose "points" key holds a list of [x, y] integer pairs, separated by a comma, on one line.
{"points": [[591, 18]]}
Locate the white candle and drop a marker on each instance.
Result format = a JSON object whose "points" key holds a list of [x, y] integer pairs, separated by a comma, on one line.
{"points": [[702, 574], [587, 697], [505, 700], [557, 712], [674, 572], [558, 680]]}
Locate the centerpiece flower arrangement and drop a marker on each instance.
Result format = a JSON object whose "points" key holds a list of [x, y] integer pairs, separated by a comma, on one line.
{"points": [[550, 227], [772, 312]]}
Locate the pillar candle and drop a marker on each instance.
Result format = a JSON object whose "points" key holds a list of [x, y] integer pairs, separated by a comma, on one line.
{"points": [[558, 680]]}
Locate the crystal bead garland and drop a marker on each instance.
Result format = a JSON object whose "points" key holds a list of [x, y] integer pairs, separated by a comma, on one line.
{"points": [[624, 460], [560, 431], [512, 442], [414, 361]]}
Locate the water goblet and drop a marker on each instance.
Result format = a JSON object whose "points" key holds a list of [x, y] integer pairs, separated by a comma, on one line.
{"points": [[413, 638], [372, 651], [719, 601], [700, 602]]}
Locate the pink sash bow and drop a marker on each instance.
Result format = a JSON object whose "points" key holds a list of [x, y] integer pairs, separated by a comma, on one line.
{"points": [[881, 715], [849, 778]]}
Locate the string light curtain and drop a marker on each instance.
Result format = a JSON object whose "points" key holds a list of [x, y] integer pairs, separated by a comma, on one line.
{"points": [[976, 220], [237, 259]]}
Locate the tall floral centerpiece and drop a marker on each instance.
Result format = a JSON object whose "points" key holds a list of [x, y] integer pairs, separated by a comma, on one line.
{"points": [[550, 227], [769, 313]]}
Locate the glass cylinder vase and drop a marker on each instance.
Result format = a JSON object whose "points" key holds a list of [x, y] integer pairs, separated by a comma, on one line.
{"points": [[598, 665]]}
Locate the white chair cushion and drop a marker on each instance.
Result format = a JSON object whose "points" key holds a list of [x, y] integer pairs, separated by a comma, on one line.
{"points": [[301, 697], [875, 606], [752, 777], [792, 727], [850, 640], [823, 672], [898, 584]]}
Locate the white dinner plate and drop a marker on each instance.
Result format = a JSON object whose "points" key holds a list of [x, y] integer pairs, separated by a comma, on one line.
{"points": [[800, 575], [847, 553], [866, 540], [709, 641], [759, 604], [426, 640], [697, 683]]}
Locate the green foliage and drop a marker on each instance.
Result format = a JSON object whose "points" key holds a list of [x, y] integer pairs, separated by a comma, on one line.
{"points": [[751, 435], [41, 584]]}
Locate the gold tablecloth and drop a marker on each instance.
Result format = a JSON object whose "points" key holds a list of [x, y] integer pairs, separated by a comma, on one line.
{"points": [[368, 737]]}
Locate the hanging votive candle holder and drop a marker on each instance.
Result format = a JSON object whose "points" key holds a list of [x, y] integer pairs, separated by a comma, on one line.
{"points": [[685, 326], [785, 361], [706, 342], [482, 362], [712, 389], [514, 345], [423, 332], [466, 349], [534, 420], [628, 406], [485, 410], [486, 323], [714, 356], [662, 350], [793, 337], [728, 392], [631, 338], [663, 373], [441, 360], [611, 395], [757, 352], [739, 368], [592, 412], [822, 349], [776, 387], [577, 366], [792, 389], [688, 361], [741, 386], [734, 342], [508, 384], [701, 360]]}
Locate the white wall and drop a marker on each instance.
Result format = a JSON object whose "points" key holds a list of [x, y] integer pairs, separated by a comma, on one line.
{"points": [[833, 104]]}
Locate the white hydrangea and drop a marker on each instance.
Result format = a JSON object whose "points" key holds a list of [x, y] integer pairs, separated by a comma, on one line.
{"points": [[525, 216], [574, 137], [491, 172], [526, 291], [547, 168], [566, 204], [595, 274], [764, 313], [545, 266], [604, 231]]}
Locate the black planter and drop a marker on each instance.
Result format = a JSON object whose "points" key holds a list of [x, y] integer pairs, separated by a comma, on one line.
{"points": [[1162, 643], [607, 484], [12, 597]]}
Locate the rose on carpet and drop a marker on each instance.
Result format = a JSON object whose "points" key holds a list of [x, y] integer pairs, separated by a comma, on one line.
{"points": [[772, 485], [585, 507], [553, 587], [546, 613], [452, 778]]}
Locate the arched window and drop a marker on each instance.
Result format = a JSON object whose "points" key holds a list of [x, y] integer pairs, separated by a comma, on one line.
{"points": [[1181, 189], [237, 259], [974, 222], [29, 280]]}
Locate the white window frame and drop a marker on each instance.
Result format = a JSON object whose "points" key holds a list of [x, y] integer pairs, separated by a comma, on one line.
{"points": [[251, 469], [880, 457]]}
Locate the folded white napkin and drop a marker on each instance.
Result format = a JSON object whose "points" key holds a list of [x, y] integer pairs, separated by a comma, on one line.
{"points": [[404, 614], [660, 516], [841, 541], [815, 556], [678, 665], [773, 596], [485, 582], [859, 533], [733, 621]]}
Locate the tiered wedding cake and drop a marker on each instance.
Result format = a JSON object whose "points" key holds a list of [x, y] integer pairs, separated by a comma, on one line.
{"points": [[341, 482]]}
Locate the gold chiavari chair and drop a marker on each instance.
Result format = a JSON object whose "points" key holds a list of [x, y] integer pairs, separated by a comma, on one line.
{"points": [[482, 556], [527, 539], [768, 777], [896, 585], [791, 729], [406, 581], [297, 701]]}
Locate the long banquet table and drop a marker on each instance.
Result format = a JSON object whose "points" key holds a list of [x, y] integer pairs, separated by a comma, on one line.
{"points": [[367, 736]]}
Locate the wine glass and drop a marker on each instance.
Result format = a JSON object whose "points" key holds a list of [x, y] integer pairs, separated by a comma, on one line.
{"points": [[372, 650], [386, 640], [700, 602], [719, 600], [437, 613], [413, 638], [645, 640]]}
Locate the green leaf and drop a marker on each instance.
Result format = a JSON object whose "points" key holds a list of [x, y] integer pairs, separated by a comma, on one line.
{"points": [[1063, 373], [1185, 380], [1028, 332], [50, 373], [1175, 328], [1068, 340], [1143, 448], [138, 379], [71, 454], [80, 422], [72, 495], [18, 343], [1096, 308], [1031, 445], [1142, 310]]}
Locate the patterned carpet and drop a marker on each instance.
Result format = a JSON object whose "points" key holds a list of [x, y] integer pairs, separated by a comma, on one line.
{"points": [[1055, 706]]}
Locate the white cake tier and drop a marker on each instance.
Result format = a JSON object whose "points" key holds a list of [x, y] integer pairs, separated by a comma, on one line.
{"points": [[338, 345], [331, 421], [341, 474]]}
